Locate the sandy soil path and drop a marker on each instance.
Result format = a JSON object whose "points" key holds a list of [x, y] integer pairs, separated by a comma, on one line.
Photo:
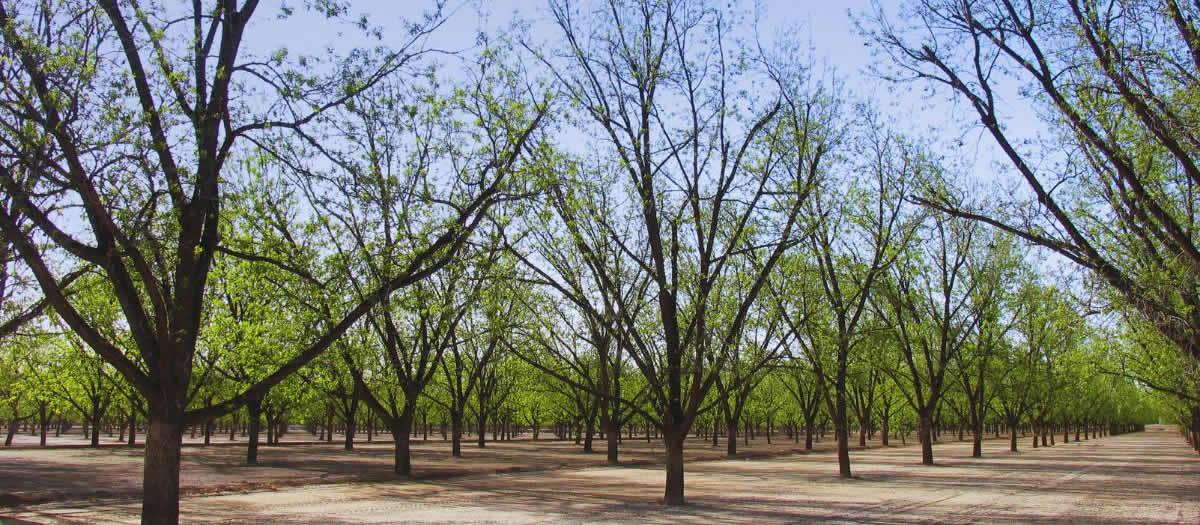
{"points": [[1149, 477]]}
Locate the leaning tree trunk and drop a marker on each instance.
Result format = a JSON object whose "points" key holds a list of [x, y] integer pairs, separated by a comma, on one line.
{"points": [[13, 426]]}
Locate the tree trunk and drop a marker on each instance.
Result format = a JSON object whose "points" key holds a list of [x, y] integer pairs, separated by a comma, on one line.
{"points": [[329, 425], [160, 481], [731, 438], [481, 428], [133, 429], [253, 414], [401, 436], [456, 425], [96, 423], [842, 434], [351, 427], [43, 424], [976, 434], [589, 427], [612, 432], [13, 426], [1195, 428], [925, 431], [673, 439]]}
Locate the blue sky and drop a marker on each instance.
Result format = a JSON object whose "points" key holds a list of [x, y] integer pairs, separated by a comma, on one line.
{"points": [[826, 25]]}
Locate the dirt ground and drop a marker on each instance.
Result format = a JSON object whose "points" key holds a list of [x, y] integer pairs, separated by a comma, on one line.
{"points": [[1148, 477], [35, 475]]}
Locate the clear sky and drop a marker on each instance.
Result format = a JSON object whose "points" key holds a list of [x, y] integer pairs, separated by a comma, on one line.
{"points": [[826, 25]]}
